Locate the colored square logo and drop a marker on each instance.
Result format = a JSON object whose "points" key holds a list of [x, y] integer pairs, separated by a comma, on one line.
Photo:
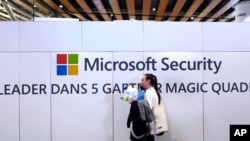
{"points": [[73, 59], [61, 69], [67, 64], [73, 70], [61, 59]]}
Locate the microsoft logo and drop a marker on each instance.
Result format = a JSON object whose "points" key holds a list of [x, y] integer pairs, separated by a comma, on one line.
{"points": [[67, 64]]}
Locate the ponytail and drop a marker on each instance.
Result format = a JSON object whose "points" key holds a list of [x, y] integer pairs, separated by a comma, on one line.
{"points": [[154, 83]]}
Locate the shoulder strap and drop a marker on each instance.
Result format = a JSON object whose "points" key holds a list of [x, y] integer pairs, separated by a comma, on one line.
{"points": [[133, 133]]}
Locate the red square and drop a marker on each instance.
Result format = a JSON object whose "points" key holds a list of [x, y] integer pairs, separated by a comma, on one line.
{"points": [[61, 58]]}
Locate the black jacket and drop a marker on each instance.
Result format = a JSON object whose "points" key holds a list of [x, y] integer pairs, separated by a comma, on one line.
{"points": [[139, 126]]}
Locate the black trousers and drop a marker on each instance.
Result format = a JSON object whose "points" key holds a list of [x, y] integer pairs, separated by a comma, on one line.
{"points": [[139, 129], [148, 138]]}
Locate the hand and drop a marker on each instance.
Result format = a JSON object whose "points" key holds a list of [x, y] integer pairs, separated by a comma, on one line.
{"points": [[130, 100]]}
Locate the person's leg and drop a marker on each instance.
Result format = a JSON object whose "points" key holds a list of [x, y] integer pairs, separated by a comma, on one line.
{"points": [[139, 130], [149, 138], [134, 139]]}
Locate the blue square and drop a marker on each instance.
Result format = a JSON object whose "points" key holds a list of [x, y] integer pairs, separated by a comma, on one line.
{"points": [[61, 69]]}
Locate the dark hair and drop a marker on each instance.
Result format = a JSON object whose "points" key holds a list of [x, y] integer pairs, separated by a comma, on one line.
{"points": [[154, 83]]}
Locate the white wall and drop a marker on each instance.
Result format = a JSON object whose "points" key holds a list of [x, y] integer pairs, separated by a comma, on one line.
{"points": [[34, 109], [10, 111], [28, 56]]}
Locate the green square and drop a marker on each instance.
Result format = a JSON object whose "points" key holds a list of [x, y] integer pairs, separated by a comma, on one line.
{"points": [[72, 58]]}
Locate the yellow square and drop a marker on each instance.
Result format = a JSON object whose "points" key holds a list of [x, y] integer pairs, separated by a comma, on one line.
{"points": [[73, 70]]}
